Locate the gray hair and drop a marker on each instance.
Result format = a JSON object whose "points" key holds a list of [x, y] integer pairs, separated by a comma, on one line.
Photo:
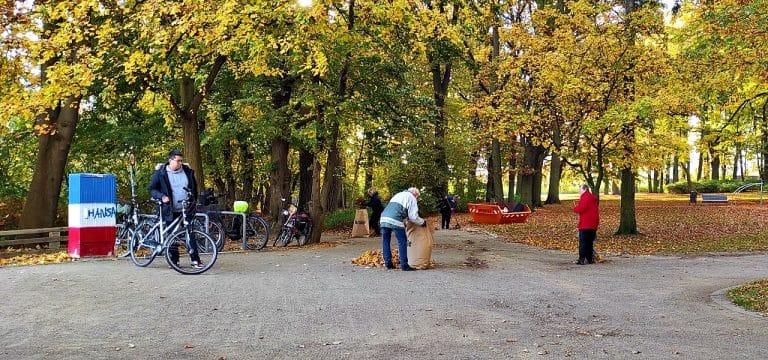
{"points": [[414, 191]]}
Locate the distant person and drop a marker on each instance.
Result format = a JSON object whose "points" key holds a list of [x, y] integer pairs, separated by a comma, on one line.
{"points": [[589, 217], [446, 206], [374, 202], [401, 208]]}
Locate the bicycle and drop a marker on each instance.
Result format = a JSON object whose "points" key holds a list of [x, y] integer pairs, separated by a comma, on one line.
{"points": [[130, 215], [254, 232], [152, 237], [297, 225]]}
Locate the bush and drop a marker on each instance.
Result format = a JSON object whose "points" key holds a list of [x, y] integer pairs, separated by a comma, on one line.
{"points": [[340, 219], [706, 186], [680, 187]]}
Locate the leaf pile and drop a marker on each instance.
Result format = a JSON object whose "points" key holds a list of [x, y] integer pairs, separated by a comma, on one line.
{"points": [[752, 296], [36, 259], [667, 225], [373, 258]]}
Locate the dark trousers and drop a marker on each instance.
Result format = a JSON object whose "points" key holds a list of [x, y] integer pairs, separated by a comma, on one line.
{"points": [[373, 223], [191, 243], [402, 246], [587, 245], [446, 220]]}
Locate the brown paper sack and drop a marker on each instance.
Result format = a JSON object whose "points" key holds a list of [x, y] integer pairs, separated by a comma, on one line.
{"points": [[360, 227], [420, 240]]}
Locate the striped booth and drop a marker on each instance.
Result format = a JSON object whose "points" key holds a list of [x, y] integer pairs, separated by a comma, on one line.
{"points": [[92, 210]]}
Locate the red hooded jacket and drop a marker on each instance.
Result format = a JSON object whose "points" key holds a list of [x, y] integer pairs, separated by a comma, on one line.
{"points": [[588, 210]]}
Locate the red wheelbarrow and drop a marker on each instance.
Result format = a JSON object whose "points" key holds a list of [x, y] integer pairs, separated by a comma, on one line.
{"points": [[492, 214]]}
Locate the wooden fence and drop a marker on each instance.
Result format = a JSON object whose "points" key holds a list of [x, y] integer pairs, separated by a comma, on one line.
{"points": [[52, 236]]}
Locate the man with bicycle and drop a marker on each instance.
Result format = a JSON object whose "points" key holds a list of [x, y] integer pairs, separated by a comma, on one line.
{"points": [[171, 182]]}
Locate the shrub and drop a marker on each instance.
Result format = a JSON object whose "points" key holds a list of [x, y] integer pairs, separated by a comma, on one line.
{"points": [[340, 219], [680, 187], [708, 186], [705, 186]]}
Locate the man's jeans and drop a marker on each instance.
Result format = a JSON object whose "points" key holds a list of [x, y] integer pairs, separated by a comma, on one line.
{"points": [[402, 246], [191, 245]]}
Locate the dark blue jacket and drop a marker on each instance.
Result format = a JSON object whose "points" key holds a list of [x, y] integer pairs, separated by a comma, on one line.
{"points": [[160, 186]]}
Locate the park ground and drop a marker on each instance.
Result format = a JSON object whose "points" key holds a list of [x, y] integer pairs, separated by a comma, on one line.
{"points": [[488, 297]]}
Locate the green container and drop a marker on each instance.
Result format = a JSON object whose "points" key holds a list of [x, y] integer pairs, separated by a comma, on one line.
{"points": [[240, 206]]}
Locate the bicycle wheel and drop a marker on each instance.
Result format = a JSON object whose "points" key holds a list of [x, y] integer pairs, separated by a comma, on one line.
{"points": [[143, 245], [214, 229], [180, 245], [256, 233], [284, 238], [305, 235], [123, 240]]}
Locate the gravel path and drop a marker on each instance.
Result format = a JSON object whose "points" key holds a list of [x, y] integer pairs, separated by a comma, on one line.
{"points": [[312, 303]]}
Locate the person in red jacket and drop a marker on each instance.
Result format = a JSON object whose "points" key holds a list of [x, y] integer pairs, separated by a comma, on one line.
{"points": [[589, 218]]}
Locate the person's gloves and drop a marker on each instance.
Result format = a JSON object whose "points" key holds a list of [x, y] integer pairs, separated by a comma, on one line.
{"points": [[424, 224]]}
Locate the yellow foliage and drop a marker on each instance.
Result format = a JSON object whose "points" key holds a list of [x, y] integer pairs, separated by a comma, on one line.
{"points": [[373, 258]]}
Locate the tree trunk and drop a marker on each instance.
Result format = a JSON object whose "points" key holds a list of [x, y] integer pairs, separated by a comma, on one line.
{"points": [[530, 180], [675, 169], [700, 166], [489, 179], [650, 181], [279, 177], [316, 208], [555, 173], [512, 175], [472, 182], [498, 185], [627, 221], [356, 173], [306, 159], [538, 175], [764, 151], [441, 79], [191, 130], [259, 198], [41, 206], [715, 165], [607, 186], [229, 176], [248, 174]]}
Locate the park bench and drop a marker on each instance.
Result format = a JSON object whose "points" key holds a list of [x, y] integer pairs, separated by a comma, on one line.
{"points": [[493, 214], [714, 198], [52, 236]]}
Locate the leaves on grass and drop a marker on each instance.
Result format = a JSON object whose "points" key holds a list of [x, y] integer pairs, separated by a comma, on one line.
{"points": [[752, 296], [666, 226]]}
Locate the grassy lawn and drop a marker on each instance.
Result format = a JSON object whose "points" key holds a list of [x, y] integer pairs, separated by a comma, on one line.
{"points": [[668, 224], [752, 296]]}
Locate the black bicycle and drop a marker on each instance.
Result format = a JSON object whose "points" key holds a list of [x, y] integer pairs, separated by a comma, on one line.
{"points": [[249, 228], [296, 226]]}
